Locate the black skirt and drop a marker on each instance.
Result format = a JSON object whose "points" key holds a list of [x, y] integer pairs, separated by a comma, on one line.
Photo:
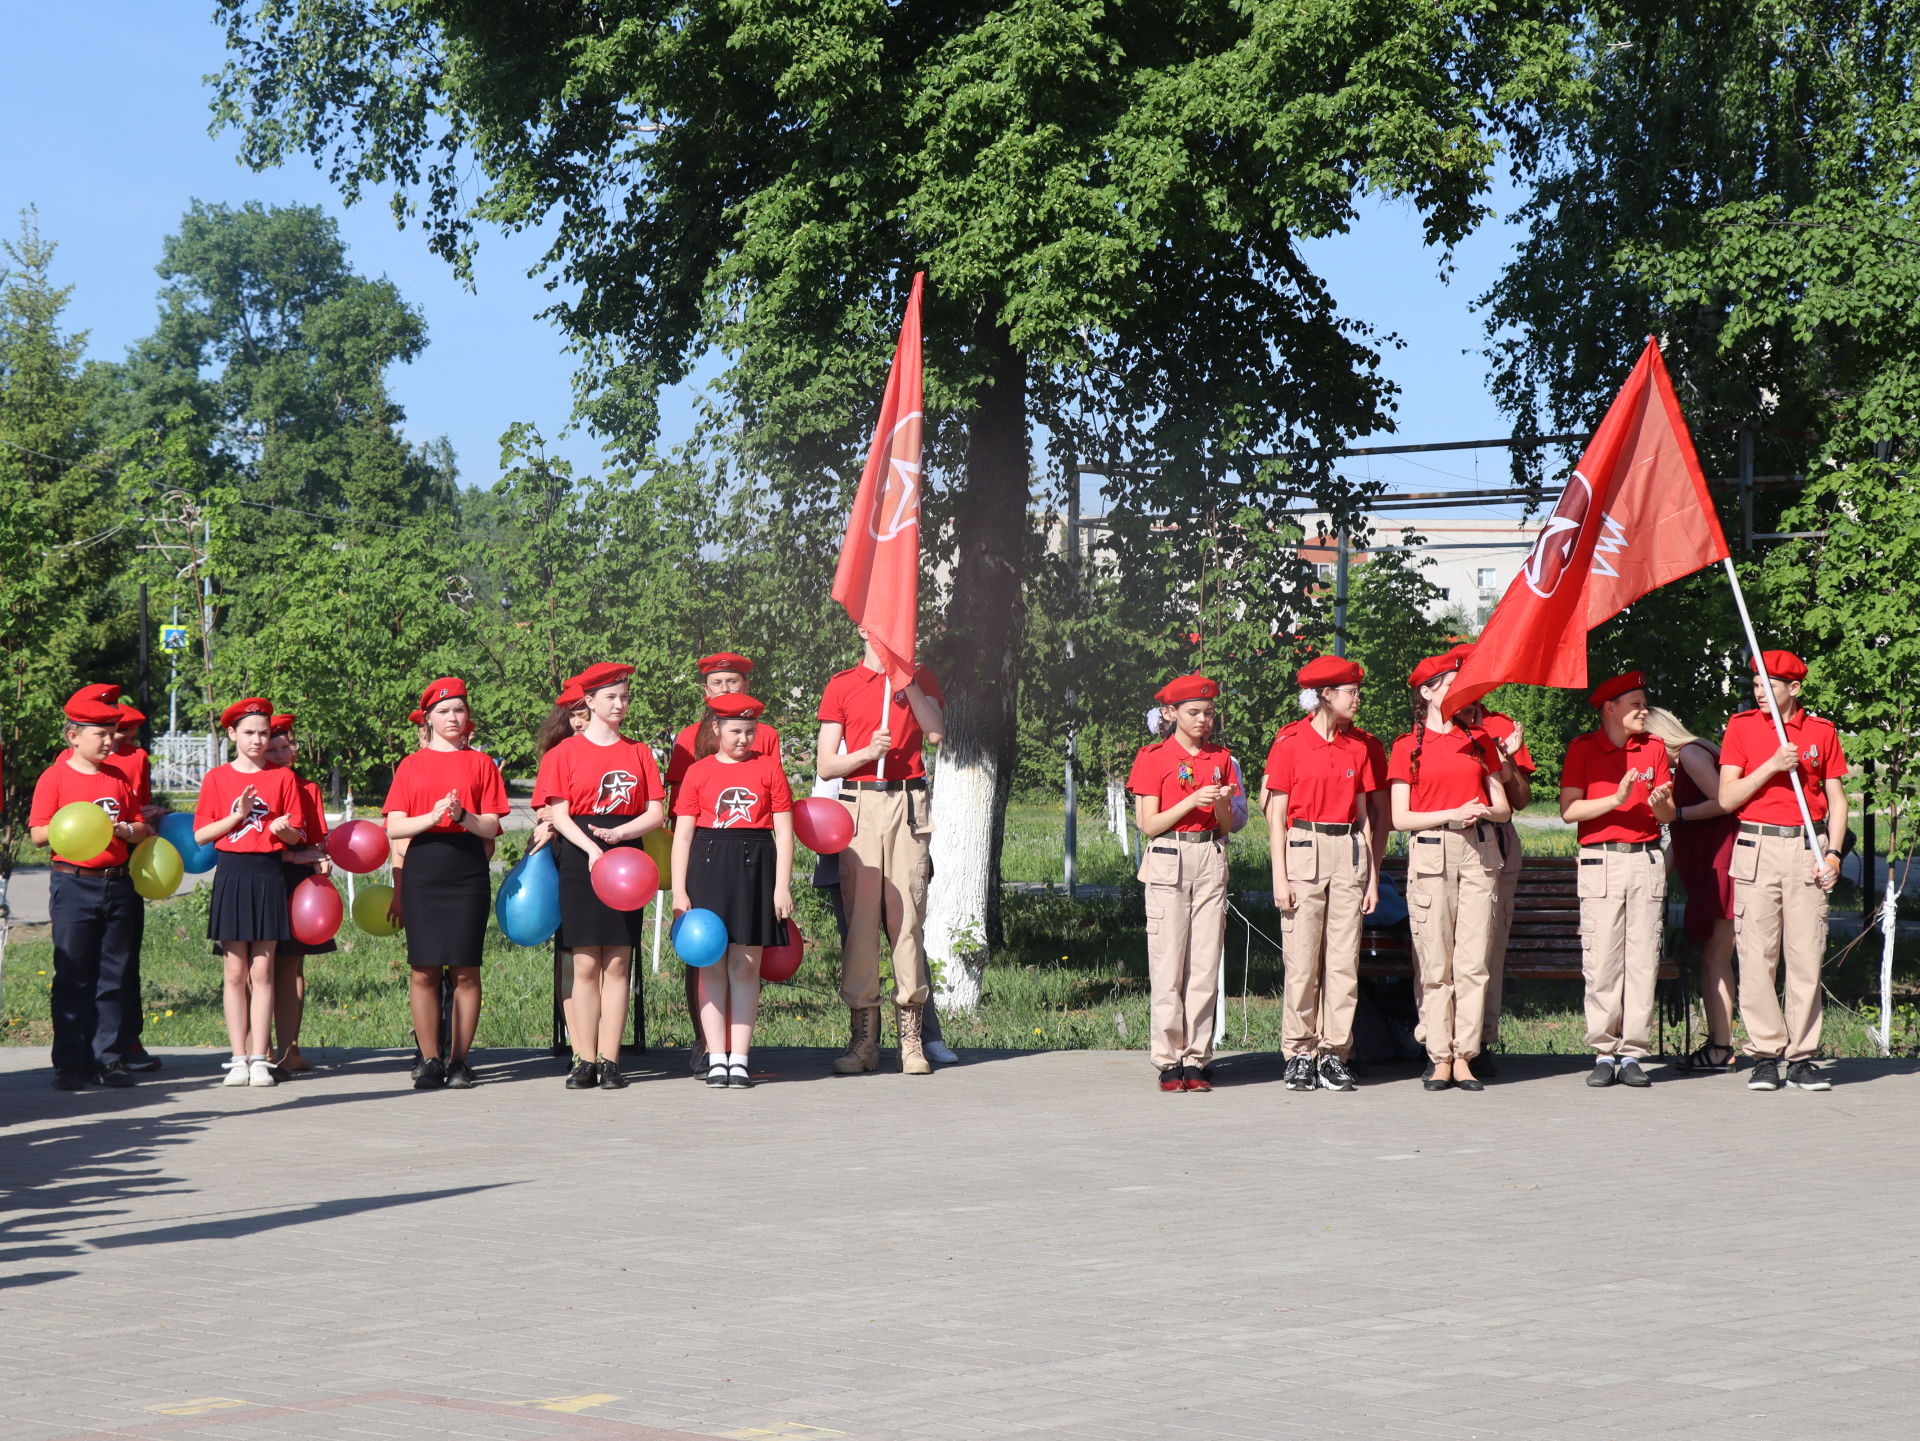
{"points": [[585, 919], [292, 946], [731, 873], [249, 898], [446, 894]]}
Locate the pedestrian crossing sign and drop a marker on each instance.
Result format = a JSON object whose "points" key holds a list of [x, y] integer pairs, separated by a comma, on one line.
{"points": [[173, 637]]}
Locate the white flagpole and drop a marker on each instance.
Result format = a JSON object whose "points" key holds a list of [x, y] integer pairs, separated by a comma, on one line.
{"points": [[1773, 708], [886, 709]]}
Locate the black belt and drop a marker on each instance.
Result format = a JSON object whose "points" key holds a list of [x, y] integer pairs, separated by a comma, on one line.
{"points": [[915, 783], [1324, 828], [106, 873], [1754, 828], [1619, 845], [1195, 837]]}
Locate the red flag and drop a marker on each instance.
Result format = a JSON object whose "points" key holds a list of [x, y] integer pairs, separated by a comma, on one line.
{"points": [[878, 579], [1634, 517]]}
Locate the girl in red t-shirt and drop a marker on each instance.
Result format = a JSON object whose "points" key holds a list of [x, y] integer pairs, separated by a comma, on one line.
{"points": [[252, 814], [733, 855], [1447, 796], [567, 718], [446, 802], [290, 956], [601, 790]]}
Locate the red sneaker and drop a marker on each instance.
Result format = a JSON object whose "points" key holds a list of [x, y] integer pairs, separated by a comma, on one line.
{"points": [[1172, 1079], [1195, 1080]]}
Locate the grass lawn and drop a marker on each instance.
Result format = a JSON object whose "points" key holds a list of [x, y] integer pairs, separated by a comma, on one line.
{"points": [[1073, 975]]}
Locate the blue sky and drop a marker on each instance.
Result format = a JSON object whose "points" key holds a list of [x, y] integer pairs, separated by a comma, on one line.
{"points": [[112, 90]]}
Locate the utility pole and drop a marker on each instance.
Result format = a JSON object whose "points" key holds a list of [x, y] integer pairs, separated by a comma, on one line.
{"points": [[1071, 859]]}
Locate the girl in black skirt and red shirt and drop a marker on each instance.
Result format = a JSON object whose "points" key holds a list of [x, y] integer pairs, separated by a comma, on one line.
{"points": [[733, 855], [290, 956], [252, 814], [602, 791], [446, 802]]}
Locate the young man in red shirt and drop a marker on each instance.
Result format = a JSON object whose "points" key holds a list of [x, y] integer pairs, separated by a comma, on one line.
{"points": [[1616, 785], [885, 870], [130, 758], [1780, 890], [94, 908]]}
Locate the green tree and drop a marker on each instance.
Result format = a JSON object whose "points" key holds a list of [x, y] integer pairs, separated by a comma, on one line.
{"points": [[1106, 200]]}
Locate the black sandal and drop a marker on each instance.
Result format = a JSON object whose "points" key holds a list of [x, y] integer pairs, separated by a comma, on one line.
{"points": [[1710, 1059]]}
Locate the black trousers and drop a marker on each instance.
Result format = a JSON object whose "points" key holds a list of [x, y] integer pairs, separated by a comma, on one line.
{"points": [[97, 923]]}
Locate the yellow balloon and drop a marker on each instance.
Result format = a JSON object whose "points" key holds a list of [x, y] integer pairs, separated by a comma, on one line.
{"points": [[79, 831], [156, 868], [659, 845], [370, 910]]}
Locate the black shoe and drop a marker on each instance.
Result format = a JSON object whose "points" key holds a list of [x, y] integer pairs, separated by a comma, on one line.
{"points": [[584, 1076], [69, 1080], [1484, 1067], [1604, 1073], [1469, 1083], [1426, 1071], [143, 1060], [610, 1077], [1429, 1083], [431, 1076], [281, 1074], [117, 1076], [460, 1077], [738, 1079], [419, 1069], [1299, 1075], [1334, 1075], [717, 1076], [1633, 1074], [1765, 1075], [1805, 1076]]}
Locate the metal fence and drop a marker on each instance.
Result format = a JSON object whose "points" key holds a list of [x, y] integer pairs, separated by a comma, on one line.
{"points": [[181, 760]]}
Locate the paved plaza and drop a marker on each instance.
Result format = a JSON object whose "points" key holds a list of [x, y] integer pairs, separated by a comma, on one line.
{"points": [[1030, 1245]]}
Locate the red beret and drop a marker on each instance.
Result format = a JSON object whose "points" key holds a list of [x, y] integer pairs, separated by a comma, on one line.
{"points": [[131, 716], [1326, 670], [84, 707], [1432, 666], [448, 687], [606, 673], [417, 717], [280, 725], [724, 660], [1461, 651], [1781, 665], [241, 709], [1612, 690], [570, 696], [738, 706], [1186, 688]]}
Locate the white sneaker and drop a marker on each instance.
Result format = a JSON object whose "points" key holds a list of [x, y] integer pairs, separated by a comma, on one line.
{"points": [[940, 1053], [236, 1072], [260, 1073]]}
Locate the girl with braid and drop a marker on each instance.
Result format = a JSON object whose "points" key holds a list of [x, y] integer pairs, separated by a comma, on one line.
{"points": [[1447, 796]]}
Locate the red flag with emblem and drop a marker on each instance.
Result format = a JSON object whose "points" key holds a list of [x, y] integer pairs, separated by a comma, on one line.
{"points": [[878, 579], [1635, 516]]}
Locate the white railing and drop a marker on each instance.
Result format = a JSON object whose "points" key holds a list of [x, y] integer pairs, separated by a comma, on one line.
{"points": [[181, 759]]}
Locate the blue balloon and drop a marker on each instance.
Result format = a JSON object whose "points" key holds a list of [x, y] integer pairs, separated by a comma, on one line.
{"points": [[700, 937], [528, 906], [176, 827]]}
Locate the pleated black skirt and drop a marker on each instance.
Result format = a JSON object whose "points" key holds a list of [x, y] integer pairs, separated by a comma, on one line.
{"points": [[585, 919], [446, 894], [293, 946], [731, 874], [249, 898]]}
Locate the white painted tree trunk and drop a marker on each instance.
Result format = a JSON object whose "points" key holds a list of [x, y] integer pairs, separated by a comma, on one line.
{"points": [[956, 928]]}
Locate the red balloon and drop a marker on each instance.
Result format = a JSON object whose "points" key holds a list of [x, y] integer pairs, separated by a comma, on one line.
{"points": [[315, 910], [625, 877], [824, 826], [357, 846], [779, 963]]}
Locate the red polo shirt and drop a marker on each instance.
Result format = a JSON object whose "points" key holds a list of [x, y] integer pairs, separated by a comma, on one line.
{"points": [[1750, 739], [1501, 727], [853, 701], [1170, 773], [1593, 766], [62, 784], [1453, 770], [138, 770], [1323, 779]]}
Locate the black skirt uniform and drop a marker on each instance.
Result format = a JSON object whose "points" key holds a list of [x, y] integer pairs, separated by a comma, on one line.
{"points": [[249, 898], [585, 919], [446, 896], [730, 872]]}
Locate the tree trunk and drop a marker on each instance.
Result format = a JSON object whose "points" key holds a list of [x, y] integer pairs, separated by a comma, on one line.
{"points": [[982, 641]]}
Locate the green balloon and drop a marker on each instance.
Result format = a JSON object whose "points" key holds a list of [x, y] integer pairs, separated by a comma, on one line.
{"points": [[370, 910], [79, 831], [156, 868]]}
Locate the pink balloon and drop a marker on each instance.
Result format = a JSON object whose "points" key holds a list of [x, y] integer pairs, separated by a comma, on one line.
{"points": [[779, 963], [357, 846], [824, 826], [626, 878], [315, 910]]}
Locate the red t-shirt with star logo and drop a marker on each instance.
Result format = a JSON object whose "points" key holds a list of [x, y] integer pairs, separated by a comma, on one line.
{"points": [[423, 778], [62, 783], [734, 795], [276, 794], [621, 779], [138, 770], [766, 742]]}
